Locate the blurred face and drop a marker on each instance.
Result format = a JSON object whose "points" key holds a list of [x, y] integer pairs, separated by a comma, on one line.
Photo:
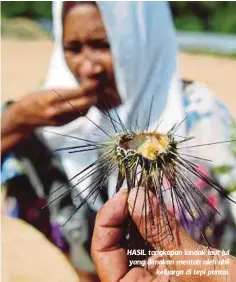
{"points": [[87, 51]]}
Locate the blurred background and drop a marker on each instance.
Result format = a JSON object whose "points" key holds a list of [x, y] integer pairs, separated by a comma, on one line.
{"points": [[206, 32], [202, 16]]}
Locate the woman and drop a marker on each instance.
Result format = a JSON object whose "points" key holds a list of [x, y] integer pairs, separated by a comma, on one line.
{"points": [[123, 55]]}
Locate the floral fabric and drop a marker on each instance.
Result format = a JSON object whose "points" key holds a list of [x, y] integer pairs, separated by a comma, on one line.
{"points": [[209, 121]]}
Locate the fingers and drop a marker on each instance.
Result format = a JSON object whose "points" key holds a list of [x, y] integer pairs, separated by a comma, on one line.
{"points": [[71, 102], [158, 235], [159, 224], [142, 275], [77, 106], [109, 257], [52, 107], [60, 106], [85, 89], [155, 226]]}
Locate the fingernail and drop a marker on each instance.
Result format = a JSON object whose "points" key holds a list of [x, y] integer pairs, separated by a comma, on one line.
{"points": [[136, 200], [123, 190], [120, 192], [97, 68]]}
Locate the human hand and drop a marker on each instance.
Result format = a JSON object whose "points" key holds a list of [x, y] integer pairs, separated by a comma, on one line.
{"points": [[111, 259], [45, 108], [54, 107]]}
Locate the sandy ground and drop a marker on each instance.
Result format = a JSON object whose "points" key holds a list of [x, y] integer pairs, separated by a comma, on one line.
{"points": [[24, 67], [33, 257]]}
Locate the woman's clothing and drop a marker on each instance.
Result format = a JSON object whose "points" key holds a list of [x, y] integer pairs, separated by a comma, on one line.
{"points": [[32, 182], [209, 121]]}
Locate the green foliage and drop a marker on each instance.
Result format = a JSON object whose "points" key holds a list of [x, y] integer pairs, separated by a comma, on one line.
{"points": [[215, 16], [189, 23], [209, 52], [29, 9], [224, 21], [9, 9], [42, 9]]}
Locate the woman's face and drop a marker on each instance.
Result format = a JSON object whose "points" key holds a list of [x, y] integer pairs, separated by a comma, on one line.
{"points": [[87, 51]]}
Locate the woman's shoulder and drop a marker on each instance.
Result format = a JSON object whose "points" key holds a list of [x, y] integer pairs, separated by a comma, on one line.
{"points": [[199, 96], [200, 103], [209, 121]]}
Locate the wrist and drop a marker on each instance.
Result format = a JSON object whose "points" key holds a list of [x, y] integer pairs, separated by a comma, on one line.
{"points": [[12, 120]]}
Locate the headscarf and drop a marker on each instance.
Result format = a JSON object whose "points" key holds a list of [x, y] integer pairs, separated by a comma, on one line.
{"points": [[144, 48]]}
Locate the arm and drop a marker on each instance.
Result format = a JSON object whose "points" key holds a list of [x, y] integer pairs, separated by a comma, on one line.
{"points": [[11, 133], [44, 108]]}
